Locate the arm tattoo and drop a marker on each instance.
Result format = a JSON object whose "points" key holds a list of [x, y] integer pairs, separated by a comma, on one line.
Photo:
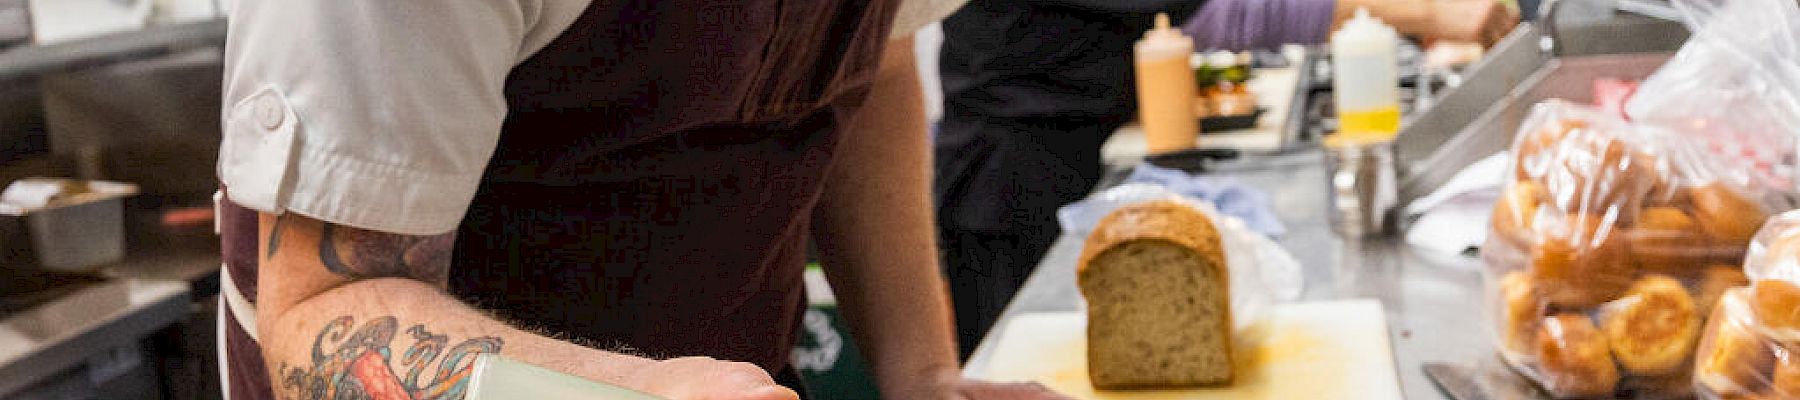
{"points": [[275, 235], [362, 254], [363, 365]]}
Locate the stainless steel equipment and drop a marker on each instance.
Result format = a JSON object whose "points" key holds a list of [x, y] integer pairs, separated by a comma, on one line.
{"points": [[1558, 57], [1363, 192]]}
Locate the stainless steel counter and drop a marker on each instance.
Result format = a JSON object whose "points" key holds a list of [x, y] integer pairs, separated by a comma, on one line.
{"points": [[1434, 303], [79, 329]]}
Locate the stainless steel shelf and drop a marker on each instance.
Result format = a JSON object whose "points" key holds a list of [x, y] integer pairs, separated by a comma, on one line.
{"points": [[33, 60]]}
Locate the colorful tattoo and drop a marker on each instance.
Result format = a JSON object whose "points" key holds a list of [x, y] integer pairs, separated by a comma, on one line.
{"points": [[361, 253], [363, 367]]}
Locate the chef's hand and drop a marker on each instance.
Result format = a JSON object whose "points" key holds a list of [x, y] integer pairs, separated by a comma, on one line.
{"points": [[704, 378], [968, 389], [1478, 21]]}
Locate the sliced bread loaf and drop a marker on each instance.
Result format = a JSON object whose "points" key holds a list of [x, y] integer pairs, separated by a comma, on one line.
{"points": [[1159, 312]]}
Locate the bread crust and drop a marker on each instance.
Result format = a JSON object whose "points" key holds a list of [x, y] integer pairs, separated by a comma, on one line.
{"points": [[1158, 220]]}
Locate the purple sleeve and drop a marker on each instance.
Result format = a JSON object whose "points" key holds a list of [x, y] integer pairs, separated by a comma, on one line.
{"points": [[1260, 24]]}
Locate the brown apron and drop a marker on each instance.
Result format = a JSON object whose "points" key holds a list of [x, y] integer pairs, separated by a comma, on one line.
{"points": [[655, 178]]}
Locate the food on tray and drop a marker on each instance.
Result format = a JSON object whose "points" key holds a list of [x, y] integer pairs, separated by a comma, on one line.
{"points": [[1224, 86], [1574, 357], [1653, 328], [1156, 284]]}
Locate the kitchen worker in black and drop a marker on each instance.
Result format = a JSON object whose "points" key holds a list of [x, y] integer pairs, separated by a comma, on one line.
{"points": [[1033, 88], [618, 190]]}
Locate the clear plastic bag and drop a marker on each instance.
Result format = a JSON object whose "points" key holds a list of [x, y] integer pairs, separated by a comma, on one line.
{"points": [[1262, 273], [1735, 86], [1749, 346], [1600, 250]]}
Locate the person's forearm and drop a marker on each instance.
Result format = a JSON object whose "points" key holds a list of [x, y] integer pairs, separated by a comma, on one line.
{"points": [[875, 237], [1411, 17], [402, 334]]}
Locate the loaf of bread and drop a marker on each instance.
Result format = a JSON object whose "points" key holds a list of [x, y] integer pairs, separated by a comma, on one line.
{"points": [[1159, 312]]}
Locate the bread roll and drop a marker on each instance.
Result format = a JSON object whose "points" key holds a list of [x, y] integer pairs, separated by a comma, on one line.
{"points": [[1159, 310], [1714, 281], [1515, 212], [1653, 330], [1786, 382], [1574, 358], [1528, 163], [1522, 308], [1598, 175], [1583, 267], [1729, 217], [1732, 359], [1777, 306], [1666, 240]]}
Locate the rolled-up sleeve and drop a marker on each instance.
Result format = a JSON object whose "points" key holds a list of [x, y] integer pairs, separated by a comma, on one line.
{"points": [[1260, 24], [375, 114]]}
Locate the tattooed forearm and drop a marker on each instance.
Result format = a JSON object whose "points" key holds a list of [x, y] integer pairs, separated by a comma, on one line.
{"points": [[361, 253], [364, 366]]}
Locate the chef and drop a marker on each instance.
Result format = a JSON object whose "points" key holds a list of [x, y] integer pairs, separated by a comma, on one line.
{"points": [[619, 190]]}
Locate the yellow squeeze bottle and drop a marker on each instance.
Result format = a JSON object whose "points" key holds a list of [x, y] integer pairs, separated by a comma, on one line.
{"points": [[1166, 89], [1365, 79]]}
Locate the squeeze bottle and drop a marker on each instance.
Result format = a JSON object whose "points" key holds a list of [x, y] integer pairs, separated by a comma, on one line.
{"points": [[1166, 89], [1365, 79]]}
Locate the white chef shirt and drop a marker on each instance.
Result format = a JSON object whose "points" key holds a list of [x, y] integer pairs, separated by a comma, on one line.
{"points": [[382, 114]]}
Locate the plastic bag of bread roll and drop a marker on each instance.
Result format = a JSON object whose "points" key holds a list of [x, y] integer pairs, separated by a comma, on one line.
{"points": [[1261, 272], [1607, 248], [1751, 345]]}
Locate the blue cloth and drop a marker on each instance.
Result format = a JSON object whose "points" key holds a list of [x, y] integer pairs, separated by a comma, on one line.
{"points": [[1226, 194]]}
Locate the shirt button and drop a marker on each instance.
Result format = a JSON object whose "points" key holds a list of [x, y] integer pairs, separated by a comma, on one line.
{"points": [[268, 112]]}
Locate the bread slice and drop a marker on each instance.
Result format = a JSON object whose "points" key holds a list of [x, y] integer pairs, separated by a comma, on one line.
{"points": [[1159, 309]]}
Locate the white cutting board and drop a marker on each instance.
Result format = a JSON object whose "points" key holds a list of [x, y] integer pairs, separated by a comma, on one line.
{"points": [[1321, 350]]}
